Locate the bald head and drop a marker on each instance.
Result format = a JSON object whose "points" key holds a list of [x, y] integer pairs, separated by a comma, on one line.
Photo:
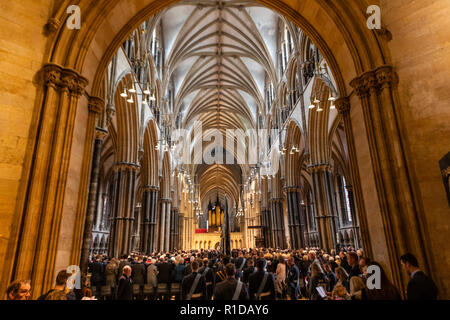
{"points": [[127, 271]]}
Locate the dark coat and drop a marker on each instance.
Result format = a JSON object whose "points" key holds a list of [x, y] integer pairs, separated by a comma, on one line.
{"points": [[187, 283], [220, 275], [255, 281], [421, 287], [138, 273], [354, 271], [97, 269], [247, 273], [209, 275], [165, 274], [225, 290], [178, 272], [125, 288]]}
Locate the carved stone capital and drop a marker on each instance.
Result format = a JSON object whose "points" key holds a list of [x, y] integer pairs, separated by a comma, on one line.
{"points": [[386, 77], [96, 105], [52, 76], [371, 82], [64, 79], [124, 166], [150, 188], [343, 105], [100, 133], [320, 167]]}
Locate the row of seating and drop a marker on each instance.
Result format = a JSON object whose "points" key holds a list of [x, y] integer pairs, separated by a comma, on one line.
{"points": [[163, 289]]}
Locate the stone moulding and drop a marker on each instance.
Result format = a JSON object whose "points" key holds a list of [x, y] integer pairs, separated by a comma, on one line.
{"points": [[64, 79]]}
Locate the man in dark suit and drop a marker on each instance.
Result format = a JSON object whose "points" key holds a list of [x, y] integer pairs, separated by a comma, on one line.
{"points": [[248, 271], [261, 286], [165, 274], [352, 259], [344, 262], [123, 262], [188, 269], [240, 263], [208, 272], [220, 270], [138, 275], [193, 286], [125, 287], [97, 269], [230, 288], [420, 287]]}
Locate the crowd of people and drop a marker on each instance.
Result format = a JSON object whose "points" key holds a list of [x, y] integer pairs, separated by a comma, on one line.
{"points": [[246, 274]]}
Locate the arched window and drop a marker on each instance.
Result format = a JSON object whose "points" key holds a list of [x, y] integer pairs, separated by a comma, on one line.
{"points": [[345, 200]]}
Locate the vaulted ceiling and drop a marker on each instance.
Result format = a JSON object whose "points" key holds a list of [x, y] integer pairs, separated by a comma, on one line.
{"points": [[218, 53]]}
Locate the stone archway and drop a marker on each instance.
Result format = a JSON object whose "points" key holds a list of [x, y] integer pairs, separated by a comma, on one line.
{"points": [[330, 24]]}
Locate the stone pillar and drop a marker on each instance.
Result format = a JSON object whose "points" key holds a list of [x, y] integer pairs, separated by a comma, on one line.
{"points": [[174, 225], [123, 208], [38, 237], [181, 237], [355, 192], [149, 207], [93, 195], [168, 225], [295, 218], [162, 223], [277, 223], [401, 213], [164, 227], [267, 227], [326, 213]]}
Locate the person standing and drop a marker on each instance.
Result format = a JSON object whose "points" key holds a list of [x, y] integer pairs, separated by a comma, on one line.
{"points": [[97, 269], [230, 288], [261, 284], [111, 271], [280, 280], [420, 287], [193, 286], [165, 275], [293, 280], [208, 272], [352, 259], [125, 286], [138, 275]]}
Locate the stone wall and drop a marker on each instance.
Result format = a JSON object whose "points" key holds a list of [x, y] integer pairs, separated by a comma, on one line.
{"points": [[22, 50], [420, 53]]}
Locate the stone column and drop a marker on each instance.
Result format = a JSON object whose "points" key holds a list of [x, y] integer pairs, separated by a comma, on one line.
{"points": [[267, 227], [277, 223], [149, 206], [123, 208], [401, 213], [162, 223], [173, 228], [181, 237], [355, 192], [326, 213], [295, 218], [168, 225], [38, 237], [93, 195], [165, 220]]}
